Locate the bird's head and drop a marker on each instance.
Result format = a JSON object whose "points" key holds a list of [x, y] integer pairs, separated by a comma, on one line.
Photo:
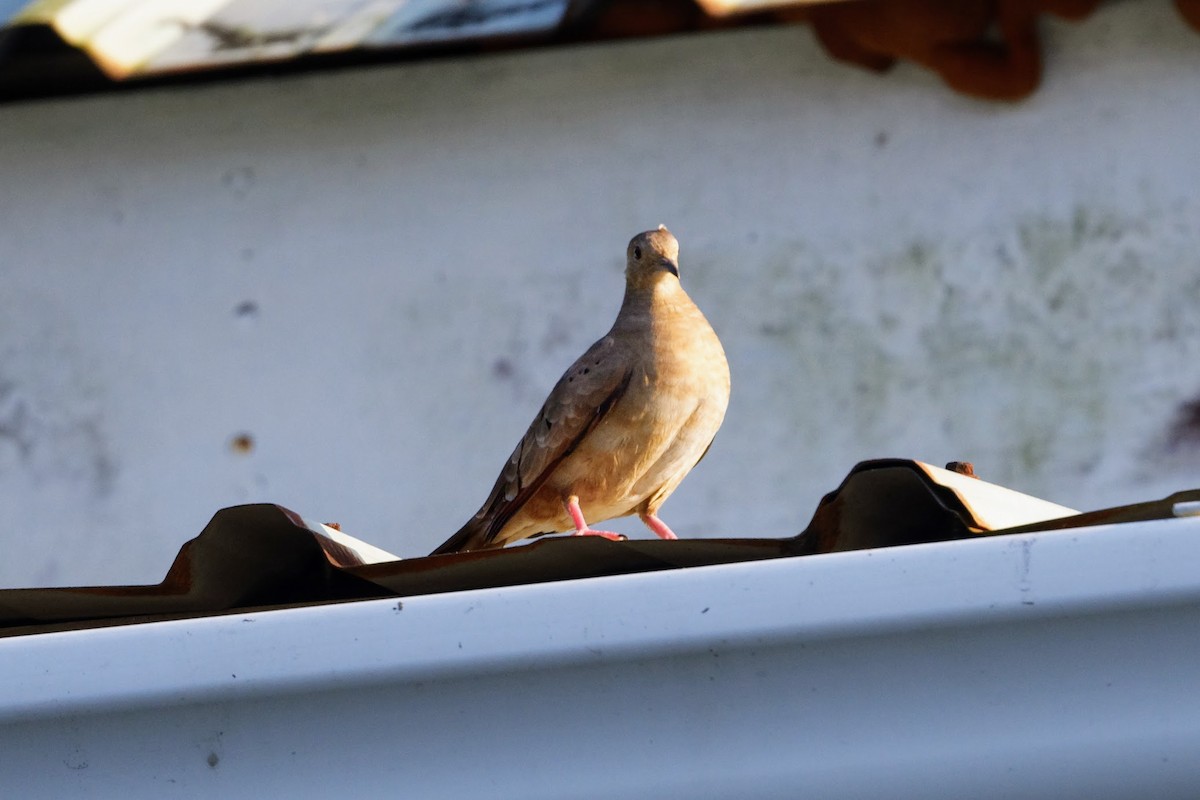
{"points": [[651, 256]]}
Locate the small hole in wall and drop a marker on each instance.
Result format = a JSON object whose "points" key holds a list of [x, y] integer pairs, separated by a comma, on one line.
{"points": [[247, 309], [1184, 430], [503, 368], [242, 444]]}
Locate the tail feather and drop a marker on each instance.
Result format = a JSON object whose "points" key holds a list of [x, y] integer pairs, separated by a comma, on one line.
{"points": [[471, 536]]}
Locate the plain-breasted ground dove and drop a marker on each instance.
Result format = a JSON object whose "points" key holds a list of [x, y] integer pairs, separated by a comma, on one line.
{"points": [[624, 425]]}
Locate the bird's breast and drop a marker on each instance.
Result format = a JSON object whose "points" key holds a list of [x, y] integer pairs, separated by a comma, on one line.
{"points": [[659, 429]]}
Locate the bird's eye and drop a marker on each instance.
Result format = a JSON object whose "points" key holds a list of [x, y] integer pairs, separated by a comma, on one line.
{"points": [[637, 253]]}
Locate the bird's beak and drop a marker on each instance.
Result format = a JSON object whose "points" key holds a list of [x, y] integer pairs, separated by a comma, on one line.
{"points": [[671, 267]]}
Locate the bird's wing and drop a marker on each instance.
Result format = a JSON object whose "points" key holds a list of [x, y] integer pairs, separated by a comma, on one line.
{"points": [[585, 393]]}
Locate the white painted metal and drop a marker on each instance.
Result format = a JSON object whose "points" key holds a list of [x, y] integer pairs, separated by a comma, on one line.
{"points": [[1187, 508], [366, 552], [1054, 665], [996, 507]]}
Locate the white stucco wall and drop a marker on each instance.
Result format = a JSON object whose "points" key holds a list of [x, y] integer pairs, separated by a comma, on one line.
{"points": [[378, 274]]}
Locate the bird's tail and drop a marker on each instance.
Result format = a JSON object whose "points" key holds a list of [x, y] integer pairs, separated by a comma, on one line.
{"points": [[469, 537]]}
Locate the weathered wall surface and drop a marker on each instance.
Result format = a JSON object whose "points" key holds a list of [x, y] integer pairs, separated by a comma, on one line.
{"points": [[377, 275]]}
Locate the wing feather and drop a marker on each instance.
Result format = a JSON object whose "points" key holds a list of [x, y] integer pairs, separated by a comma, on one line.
{"points": [[585, 393]]}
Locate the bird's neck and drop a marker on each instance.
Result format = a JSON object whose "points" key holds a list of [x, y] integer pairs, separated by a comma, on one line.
{"points": [[661, 298]]}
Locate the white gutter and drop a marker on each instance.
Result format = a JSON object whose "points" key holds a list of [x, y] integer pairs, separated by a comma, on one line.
{"points": [[1057, 664]]}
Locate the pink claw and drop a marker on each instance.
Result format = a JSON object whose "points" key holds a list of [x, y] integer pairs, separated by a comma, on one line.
{"points": [[581, 526], [616, 537]]}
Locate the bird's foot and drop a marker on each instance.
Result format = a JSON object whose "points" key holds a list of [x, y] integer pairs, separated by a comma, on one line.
{"points": [[660, 528], [581, 526], [616, 537]]}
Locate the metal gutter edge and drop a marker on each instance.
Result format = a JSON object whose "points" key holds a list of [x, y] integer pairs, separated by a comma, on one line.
{"points": [[593, 621]]}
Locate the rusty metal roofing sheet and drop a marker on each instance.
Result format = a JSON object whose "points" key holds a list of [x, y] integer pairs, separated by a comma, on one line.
{"points": [[266, 556]]}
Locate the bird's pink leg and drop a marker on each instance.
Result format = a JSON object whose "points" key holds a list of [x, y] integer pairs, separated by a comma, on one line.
{"points": [[581, 526], [658, 526]]}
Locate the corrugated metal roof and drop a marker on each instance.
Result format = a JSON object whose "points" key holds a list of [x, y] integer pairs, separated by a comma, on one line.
{"points": [[266, 556]]}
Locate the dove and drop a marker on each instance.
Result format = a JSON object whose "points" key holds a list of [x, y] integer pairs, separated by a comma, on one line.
{"points": [[624, 424]]}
